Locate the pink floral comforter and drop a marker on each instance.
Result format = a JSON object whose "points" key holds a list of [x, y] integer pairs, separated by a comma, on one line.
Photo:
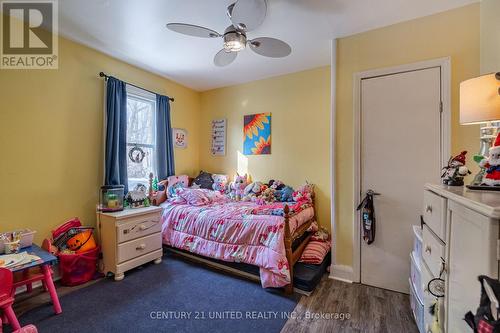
{"points": [[228, 231]]}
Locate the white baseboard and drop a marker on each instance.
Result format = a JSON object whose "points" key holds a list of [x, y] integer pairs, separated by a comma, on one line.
{"points": [[341, 273]]}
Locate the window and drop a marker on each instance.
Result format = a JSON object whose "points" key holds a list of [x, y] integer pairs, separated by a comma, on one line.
{"points": [[141, 136]]}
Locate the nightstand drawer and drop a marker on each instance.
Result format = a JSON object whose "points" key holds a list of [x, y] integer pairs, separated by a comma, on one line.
{"points": [[434, 213], [137, 227], [138, 247]]}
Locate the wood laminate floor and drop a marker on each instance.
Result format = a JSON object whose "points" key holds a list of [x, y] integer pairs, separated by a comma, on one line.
{"points": [[369, 310]]}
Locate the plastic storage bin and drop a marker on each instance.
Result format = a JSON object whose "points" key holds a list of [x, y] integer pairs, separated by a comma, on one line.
{"points": [[78, 268], [416, 276], [417, 243], [417, 307], [27, 236]]}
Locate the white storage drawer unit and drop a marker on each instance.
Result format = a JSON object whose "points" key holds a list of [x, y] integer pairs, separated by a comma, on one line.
{"points": [[130, 238], [460, 239]]}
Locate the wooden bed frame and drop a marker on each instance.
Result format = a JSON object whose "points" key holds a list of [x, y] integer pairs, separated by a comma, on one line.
{"points": [[292, 256]]}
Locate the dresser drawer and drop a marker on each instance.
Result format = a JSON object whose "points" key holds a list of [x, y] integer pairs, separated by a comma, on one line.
{"points": [[435, 213], [138, 247], [432, 251], [137, 227]]}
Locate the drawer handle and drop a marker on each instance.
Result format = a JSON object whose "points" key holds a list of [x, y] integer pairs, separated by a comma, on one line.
{"points": [[141, 247], [428, 249], [142, 227], [428, 209]]}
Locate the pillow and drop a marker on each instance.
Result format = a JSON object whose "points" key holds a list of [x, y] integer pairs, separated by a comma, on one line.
{"points": [[172, 181], [194, 197], [315, 252], [203, 180]]}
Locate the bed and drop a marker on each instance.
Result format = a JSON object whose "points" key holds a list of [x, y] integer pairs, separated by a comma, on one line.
{"points": [[235, 231]]}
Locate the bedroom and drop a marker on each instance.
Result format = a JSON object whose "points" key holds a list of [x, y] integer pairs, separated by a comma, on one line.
{"points": [[54, 126]]}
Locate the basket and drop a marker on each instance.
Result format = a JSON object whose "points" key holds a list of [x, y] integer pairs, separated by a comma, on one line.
{"points": [[78, 268]]}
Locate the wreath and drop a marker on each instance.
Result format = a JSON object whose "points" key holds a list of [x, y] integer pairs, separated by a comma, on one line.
{"points": [[136, 154]]}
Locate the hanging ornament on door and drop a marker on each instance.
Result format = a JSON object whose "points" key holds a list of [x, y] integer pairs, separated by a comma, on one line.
{"points": [[368, 216]]}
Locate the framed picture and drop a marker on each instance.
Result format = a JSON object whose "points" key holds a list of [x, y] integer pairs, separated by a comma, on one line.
{"points": [[180, 137], [257, 134]]}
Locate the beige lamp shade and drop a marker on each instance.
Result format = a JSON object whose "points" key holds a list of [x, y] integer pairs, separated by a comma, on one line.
{"points": [[480, 100]]}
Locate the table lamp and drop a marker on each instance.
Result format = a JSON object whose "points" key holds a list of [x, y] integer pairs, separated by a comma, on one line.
{"points": [[480, 104]]}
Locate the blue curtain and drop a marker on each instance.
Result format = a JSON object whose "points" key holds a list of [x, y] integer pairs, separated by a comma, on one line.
{"points": [[115, 163], [164, 141]]}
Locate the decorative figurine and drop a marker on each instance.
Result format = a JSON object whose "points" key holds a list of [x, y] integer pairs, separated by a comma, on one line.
{"points": [[455, 171], [492, 165]]}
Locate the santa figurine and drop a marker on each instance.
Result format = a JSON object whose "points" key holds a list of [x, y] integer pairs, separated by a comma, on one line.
{"points": [[492, 165], [455, 171]]}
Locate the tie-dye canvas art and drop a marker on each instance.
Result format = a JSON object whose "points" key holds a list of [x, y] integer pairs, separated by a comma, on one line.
{"points": [[257, 134]]}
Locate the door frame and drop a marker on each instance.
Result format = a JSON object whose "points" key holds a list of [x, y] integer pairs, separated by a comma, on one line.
{"points": [[445, 65]]}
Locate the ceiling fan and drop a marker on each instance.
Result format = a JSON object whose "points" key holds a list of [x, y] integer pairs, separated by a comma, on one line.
{"points": [[245, 16]]}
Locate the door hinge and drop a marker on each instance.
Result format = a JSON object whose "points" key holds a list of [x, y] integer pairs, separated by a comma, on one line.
{"points": [[441, 107]]}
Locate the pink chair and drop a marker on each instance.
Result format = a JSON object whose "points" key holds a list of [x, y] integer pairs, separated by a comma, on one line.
{"points": [[6, 299]]}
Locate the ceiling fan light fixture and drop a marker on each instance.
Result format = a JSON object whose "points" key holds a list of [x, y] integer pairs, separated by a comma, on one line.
{"points": [[234, 41]]}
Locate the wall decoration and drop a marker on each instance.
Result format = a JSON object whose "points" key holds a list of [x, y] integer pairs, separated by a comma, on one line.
{"points": [[136, 154], [257, 134], [219, 137], [180, 137]]}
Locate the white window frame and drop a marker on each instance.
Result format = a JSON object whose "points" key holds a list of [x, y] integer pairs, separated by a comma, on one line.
{"points": [[141, 94]]}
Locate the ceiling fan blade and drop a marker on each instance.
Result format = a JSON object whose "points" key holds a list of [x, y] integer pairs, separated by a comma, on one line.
{"points": [[193, 30], [223, 58], [247, 15], [270, 47]]}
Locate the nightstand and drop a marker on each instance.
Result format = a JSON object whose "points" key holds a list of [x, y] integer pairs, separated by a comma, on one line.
{"points": [[130, 238]]}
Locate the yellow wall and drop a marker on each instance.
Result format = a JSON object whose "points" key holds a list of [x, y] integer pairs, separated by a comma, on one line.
{"points": [[490, 36], [51, 136], [300, 151], [454, 33]]}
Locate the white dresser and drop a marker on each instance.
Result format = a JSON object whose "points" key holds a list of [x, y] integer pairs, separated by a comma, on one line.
{"points": [[130, 238], [460, 236]]}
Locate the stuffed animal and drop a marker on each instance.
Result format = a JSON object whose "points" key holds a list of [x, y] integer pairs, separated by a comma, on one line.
{"points": [[237, 187], [220, 183], [304, 193], [266, 196], [284, 195], [276, 184], [253, 190]]}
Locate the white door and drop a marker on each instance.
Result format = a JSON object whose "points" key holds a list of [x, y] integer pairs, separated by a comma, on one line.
{"points": [[400, 152]]}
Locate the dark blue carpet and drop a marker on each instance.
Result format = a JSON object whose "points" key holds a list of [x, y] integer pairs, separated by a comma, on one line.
{"points": [[214, 302]]}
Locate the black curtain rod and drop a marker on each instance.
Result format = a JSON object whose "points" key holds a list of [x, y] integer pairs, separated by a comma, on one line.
{"points": [[102, 74]]}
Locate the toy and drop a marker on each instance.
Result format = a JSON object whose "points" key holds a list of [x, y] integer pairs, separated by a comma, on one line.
{"points": [[284, 195], [276, 184], [220, 183], [266, 196], [138, 197], [253, 190], [304, 193], [492, 165], [237, 187], [455, 171], [82, 242]]}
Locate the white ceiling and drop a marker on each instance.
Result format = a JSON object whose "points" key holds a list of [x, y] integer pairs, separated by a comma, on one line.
{"points": [[134, 31]]}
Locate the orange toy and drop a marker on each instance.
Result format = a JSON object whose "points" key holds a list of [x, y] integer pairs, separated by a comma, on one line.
{"points": [[82, 242]]}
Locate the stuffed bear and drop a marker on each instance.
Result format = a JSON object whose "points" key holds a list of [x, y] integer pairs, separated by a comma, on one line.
{"points": [[220, 183], [253, 190]]}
